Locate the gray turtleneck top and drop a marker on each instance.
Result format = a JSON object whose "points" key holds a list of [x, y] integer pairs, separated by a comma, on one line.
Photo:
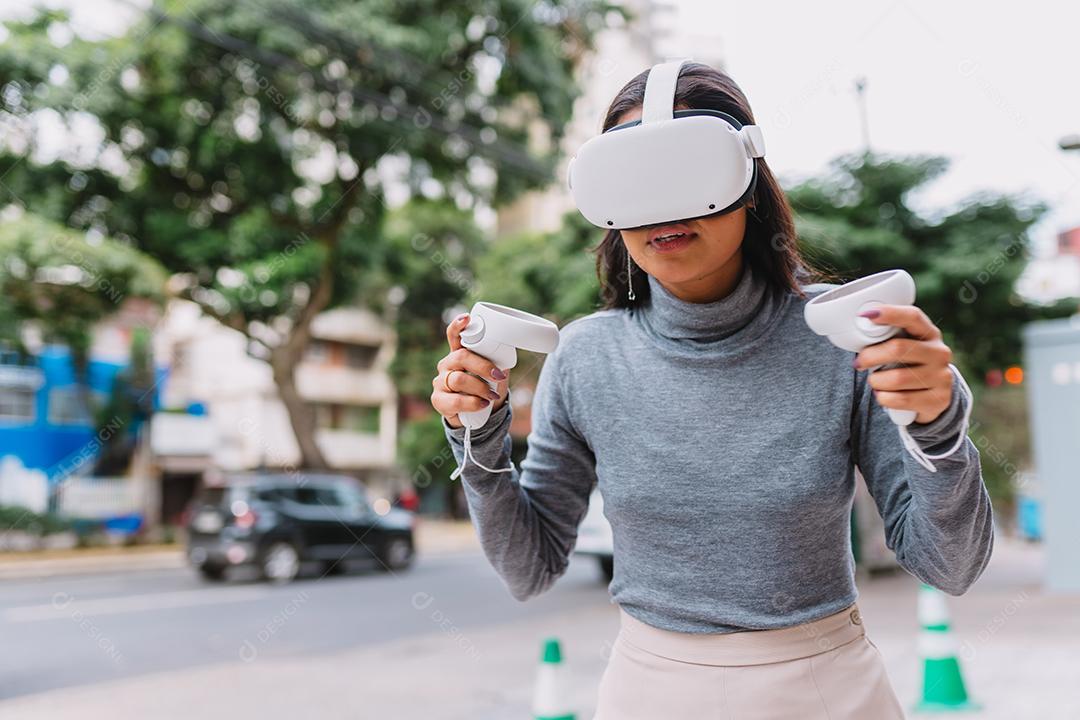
{"points": [[723, 437]]}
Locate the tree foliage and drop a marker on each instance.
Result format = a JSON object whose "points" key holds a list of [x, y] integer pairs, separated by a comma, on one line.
{"points": [[64, 282], [249, 145], [859, 219]]}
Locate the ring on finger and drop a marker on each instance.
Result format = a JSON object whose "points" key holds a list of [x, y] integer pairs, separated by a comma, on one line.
{"points": [[446, 381]]}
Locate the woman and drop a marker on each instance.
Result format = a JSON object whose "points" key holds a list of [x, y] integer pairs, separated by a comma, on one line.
{"points": [[723, 435]]}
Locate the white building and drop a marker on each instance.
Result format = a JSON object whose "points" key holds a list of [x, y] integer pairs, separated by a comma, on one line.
{"points": [[343, 375]]}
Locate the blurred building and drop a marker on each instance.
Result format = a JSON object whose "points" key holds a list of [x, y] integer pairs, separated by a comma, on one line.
{"points": [[1069, 242], [52, 432], [44, 415], [1056, 276], [231, 418]]}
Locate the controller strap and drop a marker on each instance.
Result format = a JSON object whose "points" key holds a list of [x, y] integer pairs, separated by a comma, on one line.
{"points": [[469, 456], [917, 452]]}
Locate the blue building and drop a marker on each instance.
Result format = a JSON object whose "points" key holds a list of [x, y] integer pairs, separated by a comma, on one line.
{"points": [[43, 417]]}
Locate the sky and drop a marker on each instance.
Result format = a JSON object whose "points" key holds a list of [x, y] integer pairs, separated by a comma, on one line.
{"points": [[993, 87]]}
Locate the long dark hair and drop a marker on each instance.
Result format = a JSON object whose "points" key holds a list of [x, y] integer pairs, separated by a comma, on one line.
{"points": [[769, 244]]}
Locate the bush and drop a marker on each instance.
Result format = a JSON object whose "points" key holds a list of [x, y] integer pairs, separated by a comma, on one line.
{"points": [[13, 517]]}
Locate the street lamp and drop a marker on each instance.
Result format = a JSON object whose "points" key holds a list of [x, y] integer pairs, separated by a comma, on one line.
{"points": [[1070, 142]]}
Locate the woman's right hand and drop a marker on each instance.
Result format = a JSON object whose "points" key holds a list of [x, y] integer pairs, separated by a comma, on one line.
{"points": [[458, 387]]}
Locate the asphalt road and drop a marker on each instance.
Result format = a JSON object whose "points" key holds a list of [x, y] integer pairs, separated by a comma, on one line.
{"points": [[78, 630]]}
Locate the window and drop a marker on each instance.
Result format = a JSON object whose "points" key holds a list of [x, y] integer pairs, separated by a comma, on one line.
{"points": [[352, 418], [360, 357], [270, 494], [358, 418], [326, 416], [351, 497], [317, 351], [17, 403], [67, 406], [318, 496]]}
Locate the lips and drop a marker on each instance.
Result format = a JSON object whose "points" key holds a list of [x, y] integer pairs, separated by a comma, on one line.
{"points": [[667, 233]]}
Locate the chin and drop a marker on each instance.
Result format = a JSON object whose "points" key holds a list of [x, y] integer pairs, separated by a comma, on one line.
{"points": [[674, 273]]}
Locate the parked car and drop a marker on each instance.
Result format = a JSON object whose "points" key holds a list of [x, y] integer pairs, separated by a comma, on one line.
{"points": [[594, 536], [276, 523]]}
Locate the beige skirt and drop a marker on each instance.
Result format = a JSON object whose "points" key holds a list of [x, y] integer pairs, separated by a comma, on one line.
{"points": [[826, 669]]}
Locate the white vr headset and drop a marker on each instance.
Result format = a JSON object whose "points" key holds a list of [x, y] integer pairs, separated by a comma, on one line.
{"points": [[669, 166]]}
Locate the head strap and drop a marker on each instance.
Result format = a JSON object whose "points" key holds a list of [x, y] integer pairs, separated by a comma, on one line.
{"points": [[660, 91]]}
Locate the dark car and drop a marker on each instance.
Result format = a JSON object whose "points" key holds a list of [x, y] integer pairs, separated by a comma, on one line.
{"points": [[277, 522]]}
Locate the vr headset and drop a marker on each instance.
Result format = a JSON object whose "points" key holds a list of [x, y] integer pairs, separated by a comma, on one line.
{"points": [[669, 166]]}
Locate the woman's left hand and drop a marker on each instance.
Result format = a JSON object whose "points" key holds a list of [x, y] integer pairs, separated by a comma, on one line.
{"points": [[925, 385]]}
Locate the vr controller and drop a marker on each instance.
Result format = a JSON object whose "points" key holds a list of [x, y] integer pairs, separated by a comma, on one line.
{"points": [[496, 332], [835, 314]]}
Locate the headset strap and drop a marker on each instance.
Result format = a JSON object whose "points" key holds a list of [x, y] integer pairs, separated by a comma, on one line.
{"points": [[660, 91]]}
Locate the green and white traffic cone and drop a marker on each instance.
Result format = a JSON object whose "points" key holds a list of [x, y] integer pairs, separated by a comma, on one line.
{"points": [[549, 697], [943, 685]]}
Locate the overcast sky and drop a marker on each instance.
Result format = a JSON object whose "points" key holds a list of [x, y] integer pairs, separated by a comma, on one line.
{"points": [[991, 86]]}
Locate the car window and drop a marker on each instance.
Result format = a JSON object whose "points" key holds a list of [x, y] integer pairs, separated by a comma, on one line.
{"points": [[269, 494], [318, 496], [350, 496], [223, 496]]}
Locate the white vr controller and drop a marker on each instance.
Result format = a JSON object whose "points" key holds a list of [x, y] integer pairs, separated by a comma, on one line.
{"points": [[836, 315], [497, 332]]}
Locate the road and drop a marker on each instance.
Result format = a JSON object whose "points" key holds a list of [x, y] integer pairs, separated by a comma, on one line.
{"points": [[444, 640], [80, 630]]}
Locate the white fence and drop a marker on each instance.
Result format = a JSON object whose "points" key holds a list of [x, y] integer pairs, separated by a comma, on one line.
{"points": [[100, 498]]}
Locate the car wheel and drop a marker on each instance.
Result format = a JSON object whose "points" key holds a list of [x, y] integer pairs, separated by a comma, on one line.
{"points": [[396, 554], [213, 573], [280, 563], [607, 567]]}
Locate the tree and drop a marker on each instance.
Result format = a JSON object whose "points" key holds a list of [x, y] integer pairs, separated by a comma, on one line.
{"points": [[552, 274], [858, 220], [65, 282], [248, 145]]}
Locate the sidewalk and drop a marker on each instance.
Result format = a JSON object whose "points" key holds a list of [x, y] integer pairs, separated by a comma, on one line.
{"points": [[433, 537], [1019, 651]]}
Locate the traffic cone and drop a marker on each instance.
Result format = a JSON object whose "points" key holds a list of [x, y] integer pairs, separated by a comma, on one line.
{"points": [[549, 698], [943, 685]]}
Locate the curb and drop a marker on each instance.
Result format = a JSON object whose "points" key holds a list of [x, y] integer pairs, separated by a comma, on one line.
{"points": [[437, 539], [24, 569]]}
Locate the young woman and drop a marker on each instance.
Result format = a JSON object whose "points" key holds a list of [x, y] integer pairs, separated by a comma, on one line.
{"points": [[723, 435]]}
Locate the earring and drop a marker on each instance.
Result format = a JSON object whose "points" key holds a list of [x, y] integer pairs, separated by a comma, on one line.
{"points": [[630, 277]]}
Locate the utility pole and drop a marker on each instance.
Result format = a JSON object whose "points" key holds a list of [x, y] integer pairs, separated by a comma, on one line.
{"points": [[860, 98]]}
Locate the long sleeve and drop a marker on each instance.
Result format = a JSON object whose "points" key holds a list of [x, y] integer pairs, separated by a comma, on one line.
{"points": [[527, 520], [940, 525]]}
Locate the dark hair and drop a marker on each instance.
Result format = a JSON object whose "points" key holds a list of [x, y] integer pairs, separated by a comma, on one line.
{"points": [[769, 244]]}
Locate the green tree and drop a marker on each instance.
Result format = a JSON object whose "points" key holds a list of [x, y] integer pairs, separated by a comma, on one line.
{"points": [[248, 145], [65, 282], [129, 405], [428, 252], [858, 220], [552, 273]]}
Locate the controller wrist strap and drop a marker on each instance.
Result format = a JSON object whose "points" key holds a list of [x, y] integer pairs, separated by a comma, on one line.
{"points": [[918, 453], [469, 456]]}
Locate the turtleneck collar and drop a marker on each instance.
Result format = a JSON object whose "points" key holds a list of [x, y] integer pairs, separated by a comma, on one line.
{"points": [[675, 319]]}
